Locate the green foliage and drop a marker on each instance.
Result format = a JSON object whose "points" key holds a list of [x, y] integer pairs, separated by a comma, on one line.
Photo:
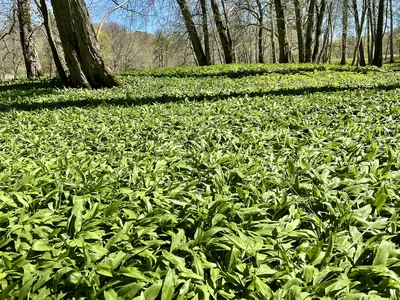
{"points": [[281, 185]]}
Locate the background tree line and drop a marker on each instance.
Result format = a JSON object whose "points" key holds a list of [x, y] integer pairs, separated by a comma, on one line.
{"points": [[47, 37]]}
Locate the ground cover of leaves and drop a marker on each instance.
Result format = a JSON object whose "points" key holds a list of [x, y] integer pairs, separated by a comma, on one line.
{"points": [[225, 182]]}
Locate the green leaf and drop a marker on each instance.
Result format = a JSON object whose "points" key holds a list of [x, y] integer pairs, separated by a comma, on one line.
{"points": [[152, 292], [168, 287], [41, 246], [382, 253], [380, 201], [112, 208], [110, 295], [105, 270], [130, 290]]}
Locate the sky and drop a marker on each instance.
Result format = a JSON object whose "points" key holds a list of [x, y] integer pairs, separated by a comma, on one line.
{"points": [[146, 16]]}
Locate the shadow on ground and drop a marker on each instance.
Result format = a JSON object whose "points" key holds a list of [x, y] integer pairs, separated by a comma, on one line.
{"points": [[30, 85], [133, 101], [243, 72]]}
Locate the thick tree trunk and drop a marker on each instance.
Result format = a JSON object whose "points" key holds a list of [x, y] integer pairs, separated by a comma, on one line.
{"points": [[309, 33], [273, 48], [31, 58], [282, 33], [378, 55], [221, 28], [191, 29], [52, 44], [299, 29], [318, 29], [206, 33], [345, 10], [81, 48], [391, 37]]}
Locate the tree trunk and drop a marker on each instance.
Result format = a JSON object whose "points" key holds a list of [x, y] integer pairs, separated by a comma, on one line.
{"points": [[260, 32], [378, 56], [369, 52], [371, 21], [221, 28], [299, 30], [318, 29], [309, 33], [81, 48], [282, 33], [273, 48], [31, 58], [47, 25], [191, 29], [330, 24], [206, 33], [359, 28], [391, 37], [228, 30], [260, 43], [345, 10]]}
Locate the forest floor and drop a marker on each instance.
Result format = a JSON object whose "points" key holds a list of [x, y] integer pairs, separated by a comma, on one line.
{"points": [[223, 182]]}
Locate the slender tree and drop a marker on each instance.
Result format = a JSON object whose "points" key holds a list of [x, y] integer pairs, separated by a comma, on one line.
{"points": [[81, 48], [31, 58], [345, 9], [273, 48], [260, 31], [299, 29], [359, 49], [318, 30], [47, 25], [206, 33], [309, 33], [391, 36], [372, 31], [378, 55], [228, 29], [222, 32], [284, 55], [191, 29]]}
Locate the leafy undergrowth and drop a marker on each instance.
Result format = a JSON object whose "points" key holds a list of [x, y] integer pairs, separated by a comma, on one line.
{"points": [[272, 186]]}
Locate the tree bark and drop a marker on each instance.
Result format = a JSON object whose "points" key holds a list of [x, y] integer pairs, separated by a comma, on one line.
{"points": [[47, 25], [228, 30], [221, 28], [273, 48], [318, 29], [359, 28], [345, 12], [191, 29], [372, 33], [391, 37], [31, 58], [81, 48], [299, 30], [206, 33], [282, 33], [260, 32], [378, 55], [309, 33], [330, 24]]}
